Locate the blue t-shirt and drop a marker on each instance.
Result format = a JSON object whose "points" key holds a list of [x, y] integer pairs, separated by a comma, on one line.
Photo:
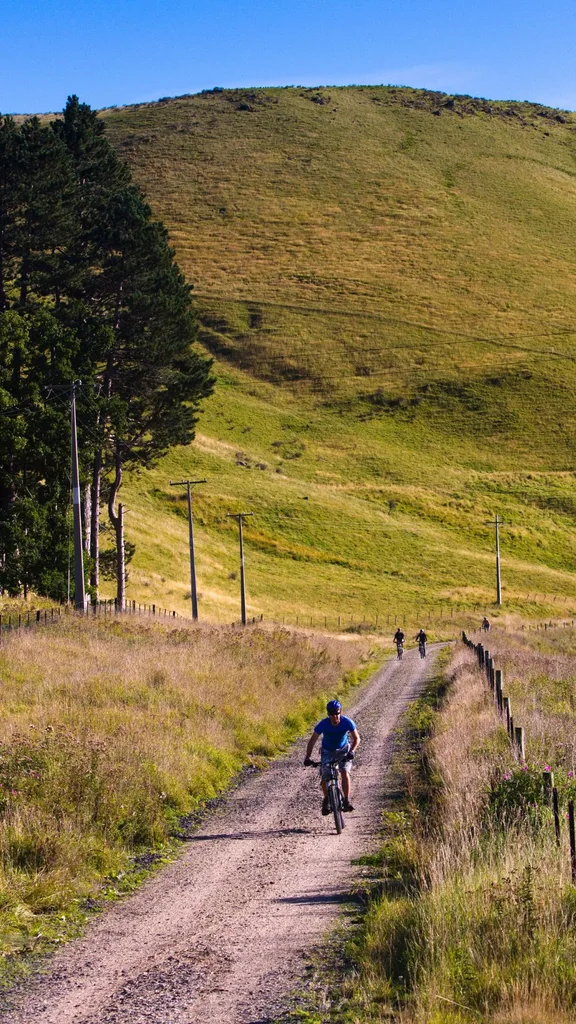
{"points": [[334, 737]]}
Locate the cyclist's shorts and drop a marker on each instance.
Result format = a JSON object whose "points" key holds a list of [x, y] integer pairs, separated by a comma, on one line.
{"points": [[327, 756]]}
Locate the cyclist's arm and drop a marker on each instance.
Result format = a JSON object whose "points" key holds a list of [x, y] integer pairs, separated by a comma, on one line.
{"points": [[312, 743], [355, 739]]}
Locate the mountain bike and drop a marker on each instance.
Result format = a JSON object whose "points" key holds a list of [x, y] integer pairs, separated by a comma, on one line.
{"points": [[399, 651], [422, 648], [334, 794]]}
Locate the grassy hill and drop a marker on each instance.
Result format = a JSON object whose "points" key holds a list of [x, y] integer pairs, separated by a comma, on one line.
{"points": [[386, 279]]}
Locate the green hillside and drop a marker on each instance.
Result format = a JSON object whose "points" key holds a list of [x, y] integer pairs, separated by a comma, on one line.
{"points": [[386, 278]]}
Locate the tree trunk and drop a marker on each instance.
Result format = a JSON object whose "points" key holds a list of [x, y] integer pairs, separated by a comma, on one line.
{"points": [[117, 520], [95, 524], [120, 559], [87, 517], [3, 299]]}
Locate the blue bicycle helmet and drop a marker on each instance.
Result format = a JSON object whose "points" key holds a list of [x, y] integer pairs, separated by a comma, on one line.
{"points": [[333, 707]]}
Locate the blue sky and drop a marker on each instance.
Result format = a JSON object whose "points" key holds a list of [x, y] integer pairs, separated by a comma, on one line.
{"points": [[128, 51]]}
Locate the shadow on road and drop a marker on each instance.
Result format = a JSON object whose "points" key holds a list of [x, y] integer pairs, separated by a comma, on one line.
{"points": [[337, 898], [271, 833]]}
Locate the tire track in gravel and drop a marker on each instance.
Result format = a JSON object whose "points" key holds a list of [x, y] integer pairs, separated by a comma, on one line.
{"points": [[221, 935]]}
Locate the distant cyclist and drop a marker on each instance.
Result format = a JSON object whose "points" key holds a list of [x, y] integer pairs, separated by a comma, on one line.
{"points": [[485, 625], [335, 732], [399, 639], [422, 640]]}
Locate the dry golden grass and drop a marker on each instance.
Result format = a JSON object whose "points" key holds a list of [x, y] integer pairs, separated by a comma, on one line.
{"points": [[109, 732], [476, 920], [539, 672]]}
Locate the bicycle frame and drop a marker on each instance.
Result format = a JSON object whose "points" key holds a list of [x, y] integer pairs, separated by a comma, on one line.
{"points": [[334, 792]]}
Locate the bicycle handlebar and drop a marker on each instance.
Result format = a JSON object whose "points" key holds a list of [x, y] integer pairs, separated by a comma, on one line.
{"points": [[318, 764]]}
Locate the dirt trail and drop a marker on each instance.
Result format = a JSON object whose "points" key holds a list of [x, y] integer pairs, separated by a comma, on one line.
{"points": [[219, 937]]}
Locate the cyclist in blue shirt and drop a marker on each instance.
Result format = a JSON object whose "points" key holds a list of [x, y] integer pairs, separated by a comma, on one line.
{"points": [[335, 732]]}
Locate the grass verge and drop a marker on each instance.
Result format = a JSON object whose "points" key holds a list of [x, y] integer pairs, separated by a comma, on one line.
{"points": [[474, 911], [110, 732]]}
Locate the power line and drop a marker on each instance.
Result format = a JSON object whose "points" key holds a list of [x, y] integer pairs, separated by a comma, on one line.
{"points": [[382, 317], [321, 378]]}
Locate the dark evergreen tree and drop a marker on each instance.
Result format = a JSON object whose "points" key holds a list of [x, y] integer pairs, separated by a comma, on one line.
{"points": [[9, 206], [46, 225], [35, 446], [133, 314], [88, 288]]}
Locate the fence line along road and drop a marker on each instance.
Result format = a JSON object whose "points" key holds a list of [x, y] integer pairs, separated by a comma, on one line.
{"points": [[368, 620], [15, 622], [517, 739]]}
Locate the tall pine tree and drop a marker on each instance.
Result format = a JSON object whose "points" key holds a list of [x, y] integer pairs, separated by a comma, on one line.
{"points": [[88, 288]]}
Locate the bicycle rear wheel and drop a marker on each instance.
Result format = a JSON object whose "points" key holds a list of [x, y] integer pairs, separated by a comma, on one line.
{"points": [[336, 804]]}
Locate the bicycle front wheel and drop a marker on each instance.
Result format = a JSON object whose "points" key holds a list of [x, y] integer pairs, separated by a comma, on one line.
{"points": [[336, 803]]}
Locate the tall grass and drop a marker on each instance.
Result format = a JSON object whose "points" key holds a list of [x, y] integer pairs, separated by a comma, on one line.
{"points": [[476, 920], [110, 732], [540, 675]]}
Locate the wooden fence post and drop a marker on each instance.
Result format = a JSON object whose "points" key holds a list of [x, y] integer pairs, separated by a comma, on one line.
{"points": [[548, 786], [507, 711], [556, 810], [519, 738], [498, 684], [572, 840]]}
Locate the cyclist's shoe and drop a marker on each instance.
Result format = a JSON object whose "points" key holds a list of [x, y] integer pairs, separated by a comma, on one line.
{"points": [[325, 806], [347, 806]]}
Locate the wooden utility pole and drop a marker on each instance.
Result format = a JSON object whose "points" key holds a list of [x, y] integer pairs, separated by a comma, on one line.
{"points": [[79, 592], [189, 484], [240, 516], [497, 523]]}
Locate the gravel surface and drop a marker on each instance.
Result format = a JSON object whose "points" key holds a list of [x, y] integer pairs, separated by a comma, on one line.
{"points": [[221, 935]]}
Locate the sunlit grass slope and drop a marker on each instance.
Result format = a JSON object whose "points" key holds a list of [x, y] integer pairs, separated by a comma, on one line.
{"points": [[111, 731], [386, 278]]}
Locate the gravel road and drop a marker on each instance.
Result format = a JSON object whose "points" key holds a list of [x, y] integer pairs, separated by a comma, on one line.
{"points": [[220, 936]]}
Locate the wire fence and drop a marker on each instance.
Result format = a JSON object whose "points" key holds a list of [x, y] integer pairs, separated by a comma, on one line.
{"points": [[18, 622], [368, 621], [517, 739]]}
